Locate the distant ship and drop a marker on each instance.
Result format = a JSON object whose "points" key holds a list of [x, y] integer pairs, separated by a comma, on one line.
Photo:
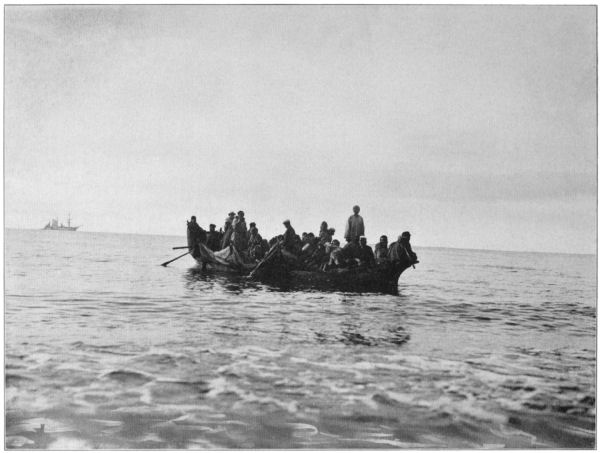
{"points": [[53, 225]]}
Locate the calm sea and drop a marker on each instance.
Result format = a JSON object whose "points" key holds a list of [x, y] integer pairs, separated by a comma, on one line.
{"points": [[107, 349]]}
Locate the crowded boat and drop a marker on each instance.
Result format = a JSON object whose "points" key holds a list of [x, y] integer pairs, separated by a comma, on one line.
{"points": [[240, 245]]}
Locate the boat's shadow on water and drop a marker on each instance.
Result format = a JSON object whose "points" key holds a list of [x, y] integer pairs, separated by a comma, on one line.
{"points": [[233, 283]]}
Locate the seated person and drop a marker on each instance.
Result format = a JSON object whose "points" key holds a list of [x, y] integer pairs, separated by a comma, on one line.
{"points": [[255, 245], [365, 257], [351, 251], [213, 240], [401, 250], [336, 254], [381, 250]]}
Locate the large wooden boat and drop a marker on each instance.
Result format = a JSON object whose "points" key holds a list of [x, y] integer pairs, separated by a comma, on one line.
{"points": [[279, 270]]}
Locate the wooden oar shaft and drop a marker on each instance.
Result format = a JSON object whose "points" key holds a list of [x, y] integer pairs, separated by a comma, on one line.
{"points": [[180, 256], [180, 248], [265, 259]]}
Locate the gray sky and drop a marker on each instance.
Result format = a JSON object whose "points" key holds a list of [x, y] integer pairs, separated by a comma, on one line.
{"points": [[470, 126]]}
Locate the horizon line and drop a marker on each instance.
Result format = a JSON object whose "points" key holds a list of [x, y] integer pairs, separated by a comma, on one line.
{"points": [[418, 246]]}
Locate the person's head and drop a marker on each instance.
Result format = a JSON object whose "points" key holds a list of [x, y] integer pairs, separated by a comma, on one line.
{"points": [[331, 231], [323, 226], [287, 223], [241, 214], [335, 242], [193, 218], [303, 235], [356, 209], [311, 235], [383, 239], [363, 240], [404, 236], [212, 227], [231, 214], [354, 240], [252, 225]]}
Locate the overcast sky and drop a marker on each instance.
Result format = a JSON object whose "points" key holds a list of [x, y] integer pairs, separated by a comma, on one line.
{"points": [[470, 126]]}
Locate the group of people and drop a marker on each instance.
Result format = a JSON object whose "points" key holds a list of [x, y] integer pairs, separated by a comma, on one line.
{"points": [[308, 250], [247, 241]]}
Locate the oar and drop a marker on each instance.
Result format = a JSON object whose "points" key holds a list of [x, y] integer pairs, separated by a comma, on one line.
{"points": [[265, 259], [179, 248], [180, 256]]}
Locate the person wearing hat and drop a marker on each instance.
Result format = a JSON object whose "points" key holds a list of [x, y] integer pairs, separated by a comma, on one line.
{"points": [[250, 226], [401, 250], [255, 245], [239, 237], [381, 250], [355, 226], [289, 237], [229, 219], [228, 230], [213, 240]]}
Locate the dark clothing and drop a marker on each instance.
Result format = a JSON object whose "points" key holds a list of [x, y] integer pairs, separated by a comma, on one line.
{"points": [[289, 239], [239, 238], [324, 237], [381, 253], [195, 234], [213, 241], [402, 251], [365, 255], [255, 247], [351, 250]]}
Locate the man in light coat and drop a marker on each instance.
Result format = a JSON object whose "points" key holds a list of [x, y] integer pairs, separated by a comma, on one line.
{"points": [[355, 226]]}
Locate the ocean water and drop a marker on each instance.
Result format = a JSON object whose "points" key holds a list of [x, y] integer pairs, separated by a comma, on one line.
{"points": [[104, 348]]}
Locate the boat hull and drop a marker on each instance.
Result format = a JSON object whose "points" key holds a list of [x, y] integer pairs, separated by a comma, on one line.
{"points": [[279, 272]]}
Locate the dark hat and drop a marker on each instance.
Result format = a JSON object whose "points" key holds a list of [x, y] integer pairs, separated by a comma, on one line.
{"points": [[212, 225], [383, 237], [241, 213], [405, 234], [231, 213], [193, 217], [286, 222], [252, 224]]}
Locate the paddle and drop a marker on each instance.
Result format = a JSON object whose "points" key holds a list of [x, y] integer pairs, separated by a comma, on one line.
{"points": [[265, 259], [180, 256], [179, 248]]}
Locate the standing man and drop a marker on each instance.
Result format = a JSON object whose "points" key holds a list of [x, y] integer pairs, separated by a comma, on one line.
{"points": [[355, 226], [239, 237], [289, 237]]}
